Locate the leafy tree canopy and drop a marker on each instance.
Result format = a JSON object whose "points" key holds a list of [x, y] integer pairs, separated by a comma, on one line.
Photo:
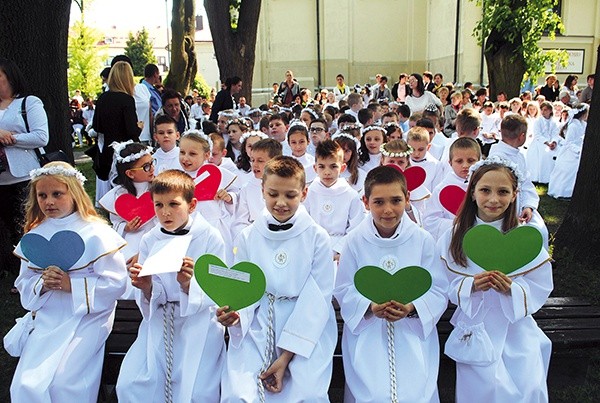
{"points": [[139, 49], [85, 60]]}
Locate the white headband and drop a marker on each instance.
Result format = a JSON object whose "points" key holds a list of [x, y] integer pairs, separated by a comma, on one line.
{"points": [[346, 136], [390, 154], [118, 147], [373, 127], [311, 112], [499, 161], [253, 133], [58, 170], [198, 133], [296, 123]]}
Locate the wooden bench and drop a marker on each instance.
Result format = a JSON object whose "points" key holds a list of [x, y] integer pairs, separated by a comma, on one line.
{"points": [[570, 323]]}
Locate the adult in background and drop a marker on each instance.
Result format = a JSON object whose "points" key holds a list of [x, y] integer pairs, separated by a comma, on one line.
{"points": [[551, 89], [341, 90], [173, 106], [288, 89], [401, 89], [419, 98], [115, 119], [224, 98], [17, 156], [586, 94], [151, 78]]}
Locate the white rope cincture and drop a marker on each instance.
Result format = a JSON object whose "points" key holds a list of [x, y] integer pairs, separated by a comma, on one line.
{"points": [[269, 347], [168, 336], [392, 361]]}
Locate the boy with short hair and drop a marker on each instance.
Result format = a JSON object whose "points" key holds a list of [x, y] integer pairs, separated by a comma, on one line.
{"points": [[389, 240], [468, 123], [331, 202], [513, 129], [186, 367], [219, 152], [418, 139], [278, 127], [286, 340], [318, 131], [365, 117], [463, 153], [166, 136], [250, 199], [489, 124], [403, 116]]}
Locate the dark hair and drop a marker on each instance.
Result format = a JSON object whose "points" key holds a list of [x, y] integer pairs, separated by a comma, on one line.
{"points": [[280, 116], [420, 84], [569, 81], [232, 81], [481, 91], [285, 167], [14, 76], [364, 151], [105, 72], [346, 118], [465, 217], [364, 115], [404, 110], [320, 120], [169, 94], [164, 119], [328, 148], [121, 58], [122, 167], [208, 126], [384, 175], [173, 180], [297, 128], [339, 75], [426, 123], [150, 70]]}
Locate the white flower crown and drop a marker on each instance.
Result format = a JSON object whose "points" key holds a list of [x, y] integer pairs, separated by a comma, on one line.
{"points": [[58, 170], [228, 113], [253, 133], [118, 147], [494, 159], [390, 124], [311, 112], [373, 127], [347, 136], [198, 133], [296, 123], [389, 154]]}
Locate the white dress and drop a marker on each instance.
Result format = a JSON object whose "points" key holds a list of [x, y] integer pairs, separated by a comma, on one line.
{"points": [[562, 180], [540, 158], [360, 180], [521, 351], [198, 345], [365, 341], [373, 162], [338, 209], [62, 359], [299, 270], [166, 160], [438, 219]]}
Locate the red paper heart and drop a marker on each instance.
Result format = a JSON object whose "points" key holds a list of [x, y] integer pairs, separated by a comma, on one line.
{"points": [[206, 188], [451, 197], [415, 177], [128, 207]]}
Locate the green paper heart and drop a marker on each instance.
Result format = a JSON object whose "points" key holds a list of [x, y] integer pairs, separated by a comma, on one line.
{"points": [[238, 287], [404, 286], [492, 250]]}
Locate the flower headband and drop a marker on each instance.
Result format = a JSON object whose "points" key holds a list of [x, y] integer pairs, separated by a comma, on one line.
{"points": [[237, 121], [230, 113], [346, 136], [373, 127], [58, 170], [391, 124], [297, 124], [199, 134], [118, 147], [253, 133], [310, 112], [390, 154], [578, 109], [499, 161], [352, 126]]}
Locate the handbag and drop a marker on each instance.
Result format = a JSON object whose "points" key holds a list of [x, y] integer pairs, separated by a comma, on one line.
{"points": [[470, 344], [42, 156], [16, 338]]}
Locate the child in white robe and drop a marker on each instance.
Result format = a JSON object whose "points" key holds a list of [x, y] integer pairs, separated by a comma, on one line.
{"points": [[295, 313], [501, 354], [464, 152], [179, 352], [73, 306], [297, 137], [388, 239], [135, 171], [166, 136], [373, 137], [418, 140], [251, 202], [544, 147], [331, 202], [354, 175]]}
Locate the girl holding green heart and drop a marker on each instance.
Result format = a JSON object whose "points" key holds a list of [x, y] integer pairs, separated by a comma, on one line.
{"points": [[501, 354]]}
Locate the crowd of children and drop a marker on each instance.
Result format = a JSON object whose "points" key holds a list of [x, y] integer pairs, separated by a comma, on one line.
{"points": [[311, 196]]}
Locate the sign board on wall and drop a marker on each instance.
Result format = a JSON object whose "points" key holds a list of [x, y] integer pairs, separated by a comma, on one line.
{"points": [[574, 65]]}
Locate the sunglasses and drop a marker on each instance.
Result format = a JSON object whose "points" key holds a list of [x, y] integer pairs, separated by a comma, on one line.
{"points": [[146, 167]]}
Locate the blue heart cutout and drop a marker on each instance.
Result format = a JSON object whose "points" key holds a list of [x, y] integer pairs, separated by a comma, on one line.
{"points": [[62, 250]]}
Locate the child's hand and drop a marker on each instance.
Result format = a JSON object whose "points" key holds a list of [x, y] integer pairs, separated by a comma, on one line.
{"points": [[379, 309], [482, 281], [185, 274], [133, 225], [132, 260], [526, 215], [500, 281], [552, 145], [273, 377], [223, 195], [143, 283], [226, 317], [55, 280], [396, 311]]}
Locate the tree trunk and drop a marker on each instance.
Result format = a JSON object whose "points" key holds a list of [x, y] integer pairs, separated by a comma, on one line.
{"points": [[184, 65], [33, 33], [505, 65], [580, 229], [235, 51]]}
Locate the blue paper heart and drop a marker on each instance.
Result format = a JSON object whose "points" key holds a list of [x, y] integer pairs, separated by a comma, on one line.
{"points": [[62, 250]]}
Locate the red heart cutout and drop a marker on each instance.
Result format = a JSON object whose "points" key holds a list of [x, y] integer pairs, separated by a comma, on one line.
{"points": [[207, 181], [128, 207], [415, 176], [451, 197]]}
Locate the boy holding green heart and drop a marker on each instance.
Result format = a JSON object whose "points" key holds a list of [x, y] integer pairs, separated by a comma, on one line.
{"points": [[390, 243], [179, 352], [281, 347]]}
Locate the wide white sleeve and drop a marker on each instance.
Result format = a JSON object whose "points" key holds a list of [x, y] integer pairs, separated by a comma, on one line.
{"points": [[242, 215], [313, 308], [158, 295], [99, 292], [528, 195], [29, 283], [437, 219], [356, 213]]}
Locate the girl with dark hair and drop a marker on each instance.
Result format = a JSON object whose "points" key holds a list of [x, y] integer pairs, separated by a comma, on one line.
{"points": [[419, 98]]}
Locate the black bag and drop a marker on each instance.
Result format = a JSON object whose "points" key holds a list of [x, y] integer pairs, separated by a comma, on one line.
{"points": [[43, 157]]}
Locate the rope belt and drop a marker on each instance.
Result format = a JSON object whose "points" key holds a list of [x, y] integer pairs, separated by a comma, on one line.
{"points": [[168, 335], [392, 361]]}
